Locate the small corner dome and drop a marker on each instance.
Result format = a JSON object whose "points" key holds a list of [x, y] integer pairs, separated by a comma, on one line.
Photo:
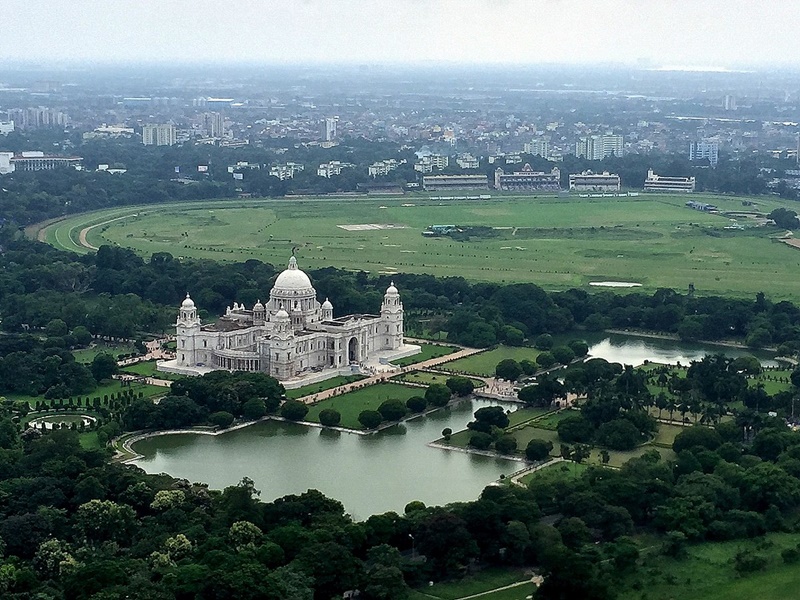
{"points": [[258, 306], [327, 305], [282, 315], [293, 279], [391, 290], [187, 302]]}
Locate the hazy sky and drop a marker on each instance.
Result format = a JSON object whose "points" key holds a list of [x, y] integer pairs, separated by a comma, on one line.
{"points": [[669, 32]]}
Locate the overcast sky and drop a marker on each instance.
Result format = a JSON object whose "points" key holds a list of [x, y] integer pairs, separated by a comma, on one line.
{"points": [[723, 33]]}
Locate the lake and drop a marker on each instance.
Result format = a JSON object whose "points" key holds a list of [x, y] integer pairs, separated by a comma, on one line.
{"points": [[368, 474]]}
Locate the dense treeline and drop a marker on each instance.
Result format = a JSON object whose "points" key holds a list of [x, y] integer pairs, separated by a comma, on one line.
{"points": [[115, 292], [75, 526]]}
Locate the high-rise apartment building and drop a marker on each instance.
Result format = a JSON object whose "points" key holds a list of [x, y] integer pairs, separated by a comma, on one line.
{"points": [[329, 128], [214, 124], [704, 150], [159, 135], [598, 147], [538, 147]]}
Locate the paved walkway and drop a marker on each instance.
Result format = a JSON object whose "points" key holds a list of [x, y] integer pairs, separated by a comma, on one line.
{"points": [[382, 377]]}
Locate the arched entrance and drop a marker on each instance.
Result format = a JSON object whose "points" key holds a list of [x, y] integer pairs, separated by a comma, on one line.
{"points": [[352, 350]]}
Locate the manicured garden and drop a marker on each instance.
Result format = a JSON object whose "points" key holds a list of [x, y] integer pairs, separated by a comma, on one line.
{"points": [[427, 352], [86, 355], [427, 378], [351, 404], [484, 363], [148, 369], [316, 388]]}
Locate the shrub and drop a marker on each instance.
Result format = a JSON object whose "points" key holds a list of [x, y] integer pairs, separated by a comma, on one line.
{"points": [[546, 360], [294, 410], [460, 386], [437, 394], [392, 410], [506, 445], [330, 417], [480, 440], [221, 419], [538, 449], [416, 404], [370, 419], [253, 409]]}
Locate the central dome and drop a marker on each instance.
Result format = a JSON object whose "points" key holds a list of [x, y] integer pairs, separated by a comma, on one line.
{"points": [[293, 279]]}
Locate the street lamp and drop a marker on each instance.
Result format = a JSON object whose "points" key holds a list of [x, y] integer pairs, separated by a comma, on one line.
{"points": [[413, 548]]}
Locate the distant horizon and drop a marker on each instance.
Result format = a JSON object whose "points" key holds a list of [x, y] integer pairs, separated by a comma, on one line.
{"points": [[729, 34]]}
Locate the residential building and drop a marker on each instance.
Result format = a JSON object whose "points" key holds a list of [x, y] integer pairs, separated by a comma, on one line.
{"points": [[729, 102], [6, 127], [704, 150], [594, 182], [660, 183], [528, 180], [286, 171], [159, 135], [333, 167], [109, 131], [37, 117], [467, 161], [427, 164], [214, 123], [5, 163], [538, 147], [598, 147], [329, 128], [383, 167], [450, 182]]}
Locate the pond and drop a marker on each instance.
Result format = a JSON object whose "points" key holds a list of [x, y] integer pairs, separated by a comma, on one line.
{"points": [[634, 350], [368, 474]]}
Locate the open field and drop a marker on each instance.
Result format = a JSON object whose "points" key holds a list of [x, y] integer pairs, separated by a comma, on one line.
{"points": [[427, 378], [708, 573], [485, 362], [112, 387], [482, 581], [555, 242], [351, 404], [555, 472], [86, 355], [427, 351], [148, 369], [315, 388]]}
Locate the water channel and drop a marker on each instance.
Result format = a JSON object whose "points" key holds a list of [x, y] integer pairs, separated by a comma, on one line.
{"points": [[376, 473]]}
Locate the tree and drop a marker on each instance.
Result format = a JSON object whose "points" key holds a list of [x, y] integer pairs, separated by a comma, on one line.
{"points": [[490, 416], [508, 369], [329, 417], [104, 520], [546, 391], [575, 429], [56, 328], [294, 410], [253, 409], [416, 404], [480, 440], [104, 366], [538, 449], [619, 434], [370, 419], [392, 410], [221, 419], [579, 347], [563, 354], [545, 360], [460, 386], [506, 445], [437, 394], [544, 341], [691, 437]]}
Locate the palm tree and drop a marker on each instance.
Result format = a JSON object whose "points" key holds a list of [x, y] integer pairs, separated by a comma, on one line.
{"points": [[661, 403], [671, 407]]}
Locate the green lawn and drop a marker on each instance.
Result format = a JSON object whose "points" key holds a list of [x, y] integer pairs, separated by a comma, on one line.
{"points": [[86, 355], [351, 404], [769, 379], [482, 581], [484, 363], [89, 441], [148, 369], [556, 472], [427, 351], [707, 573], [315, 388], [555, 242], [666, 434], [112, 387], [427, 378]]}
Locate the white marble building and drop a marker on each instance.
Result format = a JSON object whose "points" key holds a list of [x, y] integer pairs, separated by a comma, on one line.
{"points": [[292, 337]]}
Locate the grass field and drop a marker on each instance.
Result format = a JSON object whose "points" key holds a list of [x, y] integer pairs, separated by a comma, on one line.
{"points": [[707, 573], [315, 388], [484, 363], [555, 472], [86, 355], [148, 369], [427, 378], [351, 404], [483, 581], [427, 351], [112, 387], [555, 242]]}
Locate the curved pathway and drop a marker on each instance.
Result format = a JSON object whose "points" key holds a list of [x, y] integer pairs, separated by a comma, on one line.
{"points": [[85, 231]]}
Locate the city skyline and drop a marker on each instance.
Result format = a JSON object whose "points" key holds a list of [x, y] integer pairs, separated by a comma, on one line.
{"points": [[713, 34]]}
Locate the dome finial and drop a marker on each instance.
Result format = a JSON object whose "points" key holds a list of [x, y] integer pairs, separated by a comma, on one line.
{"points": [[292, 262]]}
